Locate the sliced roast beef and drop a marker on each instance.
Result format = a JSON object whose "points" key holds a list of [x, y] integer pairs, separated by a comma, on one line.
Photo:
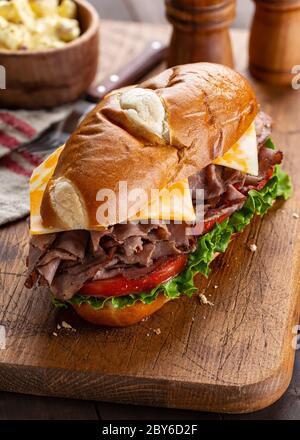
{"points": [[179, 238], [214, 180], [65, 284], [233, 195], [223, 211], [132, 271], [54, 254], [142, 257], [131, 249], [38, 246], [42, 242], [73, 242], [263, 126], [49, 270], [267, 159], [214, 185], [67, 260], [133, 245], [224, 187]]}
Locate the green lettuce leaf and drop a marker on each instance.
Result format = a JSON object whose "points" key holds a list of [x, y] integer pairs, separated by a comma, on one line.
{"points": [[284, 184], [270, 144], [215, 241]]}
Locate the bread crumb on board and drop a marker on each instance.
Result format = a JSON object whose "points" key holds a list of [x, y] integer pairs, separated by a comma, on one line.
{"points": [[295, 215], [67, 326], [157, 331], [54, 334], [252, 247], [203, 300]]}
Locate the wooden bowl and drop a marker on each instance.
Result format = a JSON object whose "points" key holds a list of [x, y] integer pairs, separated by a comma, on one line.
{"points": [[47, 78]]}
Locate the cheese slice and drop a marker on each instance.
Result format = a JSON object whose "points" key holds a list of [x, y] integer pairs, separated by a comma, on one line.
{"points": [[243, 155], [37, 185], [172, 203]]}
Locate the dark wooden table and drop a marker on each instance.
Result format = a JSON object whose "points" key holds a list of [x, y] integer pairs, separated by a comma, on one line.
{"points": [[15, 406]]}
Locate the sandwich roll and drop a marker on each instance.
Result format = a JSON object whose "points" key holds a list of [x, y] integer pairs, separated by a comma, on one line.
{"points": [[193, 137], [109, 316], [150, 136]]}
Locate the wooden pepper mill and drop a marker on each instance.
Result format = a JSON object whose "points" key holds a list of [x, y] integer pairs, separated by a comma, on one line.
{"points": [[200, 31], [275, 40]]}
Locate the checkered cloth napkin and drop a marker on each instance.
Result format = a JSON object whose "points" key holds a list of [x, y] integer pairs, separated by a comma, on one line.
{"points": [[16, 128]]}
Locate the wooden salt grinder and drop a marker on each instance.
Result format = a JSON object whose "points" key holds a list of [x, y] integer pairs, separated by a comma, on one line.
{"points": [[200, 31], [275, 40]]}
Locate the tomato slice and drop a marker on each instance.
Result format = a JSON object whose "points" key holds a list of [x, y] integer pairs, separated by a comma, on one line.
{"points": [[120, 286], [209, 224]]}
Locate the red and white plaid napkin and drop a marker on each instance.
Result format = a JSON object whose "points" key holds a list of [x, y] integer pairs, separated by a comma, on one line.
{"points": [[16, 128]]}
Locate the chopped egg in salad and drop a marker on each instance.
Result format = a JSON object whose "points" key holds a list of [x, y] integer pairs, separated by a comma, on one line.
{"points": [[37, 24]]}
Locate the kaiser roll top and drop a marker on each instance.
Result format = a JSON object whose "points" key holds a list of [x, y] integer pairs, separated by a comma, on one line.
{"points": [[150, 136]]}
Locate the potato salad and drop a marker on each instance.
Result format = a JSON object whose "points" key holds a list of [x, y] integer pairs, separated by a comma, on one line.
{"points": [[37, 24]]}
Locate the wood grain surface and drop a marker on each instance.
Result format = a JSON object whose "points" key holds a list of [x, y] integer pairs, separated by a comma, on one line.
{"points": [[234, 357]]}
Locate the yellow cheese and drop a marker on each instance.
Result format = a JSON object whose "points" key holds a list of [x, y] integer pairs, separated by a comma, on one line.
{"points": [[37, 185], [173, 203], [243, 155]]}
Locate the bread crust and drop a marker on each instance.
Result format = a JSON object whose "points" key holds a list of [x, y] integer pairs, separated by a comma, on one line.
{"points": [[111, 317], [208, 108]]}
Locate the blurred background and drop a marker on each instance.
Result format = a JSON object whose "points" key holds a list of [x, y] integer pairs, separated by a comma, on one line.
{"points": [[153, 11]]}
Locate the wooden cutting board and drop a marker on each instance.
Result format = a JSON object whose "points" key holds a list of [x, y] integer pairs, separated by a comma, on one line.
{"points": [[236, 356]]}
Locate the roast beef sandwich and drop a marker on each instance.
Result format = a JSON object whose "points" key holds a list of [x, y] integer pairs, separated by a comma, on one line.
{"points": [[149, 188]]}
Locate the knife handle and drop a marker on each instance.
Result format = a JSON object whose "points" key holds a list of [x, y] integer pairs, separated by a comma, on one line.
{"points": [[152, 55]]}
